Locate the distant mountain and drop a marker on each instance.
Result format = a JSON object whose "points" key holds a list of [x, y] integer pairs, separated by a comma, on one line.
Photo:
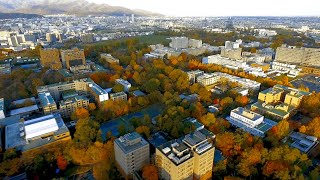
{"points": [[18, 15], [77, 7]]}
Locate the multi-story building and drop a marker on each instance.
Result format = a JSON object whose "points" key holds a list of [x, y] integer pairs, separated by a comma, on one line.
{"points": [[193, 75], [2, 108], [51, 95], [87, 38], [126, 85], [50, 57], [249, 121], [51, 37], [68, 106], [302, 142], [108, 58], [290, 69], [301, 56], [232, 45], [179, 42], [231, 53], [47, 103], [190, 157], [37, 134], [120, 96], [253, 86], [279, 102], [193, 43], [208, 79], [219, 60], [73, 57], [132, 152]]}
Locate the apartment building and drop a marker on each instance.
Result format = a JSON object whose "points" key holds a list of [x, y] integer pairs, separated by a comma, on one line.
{"points": [[190, 157], [132, 152], [279, 102], [301, 56], [68, 106], [250, 122], [73, 57]]}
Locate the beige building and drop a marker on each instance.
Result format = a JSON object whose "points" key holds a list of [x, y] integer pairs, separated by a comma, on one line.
{"points": [[208, 79], [50, 58], [190, 157], [120, 96], [68, 106], [231, 53], [131, 153], [109, 58], [301, 56], [279, 102], [73, 57]]}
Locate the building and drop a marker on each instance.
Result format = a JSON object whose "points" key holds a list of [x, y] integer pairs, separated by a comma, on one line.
{"points": [[74, 94], [126, 85], [120, 96], [253, 86], [193, 75], [285, 68], [51, 37], [179, 42], [47, 103], [224, 61], [70, 105], [2, 109], [232, 45], [193, 43], [278, 102], [300, 56], [264, 66], [234, 53], [5, 68], [265, 33], [190, 157], [44, 132], [132, 152], [208, 79], [301, 141], [50, 58], [250, 122], [109, 59], [73, 57]]}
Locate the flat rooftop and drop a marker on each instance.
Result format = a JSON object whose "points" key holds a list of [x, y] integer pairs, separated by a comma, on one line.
{"points": [[122, 81], [131, 142], [247, 113], [303, 142], [24, 110], [97, 89], [46, 99], [272, 110], [27, 135], [73, 100], [112, 95]]}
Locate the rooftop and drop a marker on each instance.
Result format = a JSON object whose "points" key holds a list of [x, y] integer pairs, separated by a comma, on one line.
{"points": [[123, 82], [73, 100], [24, 110], [130, 142], [46, 99], [28, 135], [177, 151], [302, 142], [247, 113], [113, 95], [195, 122], [138, 93], [97, 89], [273, 109]]}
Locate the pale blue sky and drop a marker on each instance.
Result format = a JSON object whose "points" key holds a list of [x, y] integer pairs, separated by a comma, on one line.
{"points": [[222, 7]]}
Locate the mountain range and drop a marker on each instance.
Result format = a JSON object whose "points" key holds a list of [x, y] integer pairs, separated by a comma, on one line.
{"points": [[71, 7]]}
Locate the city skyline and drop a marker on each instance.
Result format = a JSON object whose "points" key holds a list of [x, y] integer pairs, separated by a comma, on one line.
{"points": [[230, 8]]}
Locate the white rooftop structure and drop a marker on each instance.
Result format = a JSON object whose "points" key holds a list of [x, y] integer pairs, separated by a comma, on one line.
{"points": [[41, 128]]}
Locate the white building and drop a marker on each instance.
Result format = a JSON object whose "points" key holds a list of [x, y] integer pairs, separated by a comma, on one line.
{"points": [[194, 74], [2, 108], [249, 121], [219, 60], [285, 68], [131, 153], [193, 43], [179, 42], [232, 45], [208, 79], [124, 83]]}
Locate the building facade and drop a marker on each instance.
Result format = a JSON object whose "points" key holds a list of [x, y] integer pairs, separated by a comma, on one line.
{"points": [[208, 79], [73, 57], [132, 152], [120, 96], [49, 57]]}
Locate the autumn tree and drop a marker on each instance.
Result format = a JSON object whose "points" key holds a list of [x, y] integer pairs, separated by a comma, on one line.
{"points": [[80, 113], [62, 162], [144, 130], [150, 172], [117, 88], [208, 119]]}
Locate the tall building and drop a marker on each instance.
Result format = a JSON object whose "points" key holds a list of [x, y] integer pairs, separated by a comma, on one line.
{"points": [[249, 121], [301, 56], [37, 134], [47, 103], [179, 42], [13, 41], [49, 57], [187, 158], [131, 153], [73, 57], [132, 18]]}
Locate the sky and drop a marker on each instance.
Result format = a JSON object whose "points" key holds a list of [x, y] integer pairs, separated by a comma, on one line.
{"points": [[222, 7]]}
